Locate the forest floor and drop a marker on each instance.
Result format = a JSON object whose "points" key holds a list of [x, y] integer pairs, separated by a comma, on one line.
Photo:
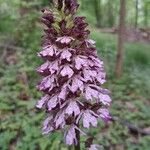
{"points": [[21, 122]]}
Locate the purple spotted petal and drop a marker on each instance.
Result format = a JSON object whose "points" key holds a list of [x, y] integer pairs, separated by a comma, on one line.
{"points": [[70, 137], [47, 128], [64, 40], [48, 51], [89, 119], [52, 103], [104, 114], [67, 71], [53, 67], [91, 93], [62, 94], [76, 84], [89, 75], [66, 55], [101, 77], [47, 83], [43, 67], [97, 61], [60, 120], [105, 99], [42, 101], [73, 108], [80, 61]]}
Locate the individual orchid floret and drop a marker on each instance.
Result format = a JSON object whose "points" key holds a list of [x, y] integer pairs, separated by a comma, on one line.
{"points": [[48, 51], [63, 93], [105, 99], [52, 103], [89, 118], [66, 55], [60, 119], [104, 114], [80, 61], [72, 75], [47, 126], [67, 71], [71, 6], [73, 108], [65, 39], [42, 101], [71, 136], [91, 93], [76, 84]]}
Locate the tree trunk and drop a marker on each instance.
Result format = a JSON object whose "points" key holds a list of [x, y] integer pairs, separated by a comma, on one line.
{"points": [[111, 19], [121, 38], [136, 13], [97, 9], [146, 13]]}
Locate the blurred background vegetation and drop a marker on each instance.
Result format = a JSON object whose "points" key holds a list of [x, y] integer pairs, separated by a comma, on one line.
{"points": [[20, 39]]}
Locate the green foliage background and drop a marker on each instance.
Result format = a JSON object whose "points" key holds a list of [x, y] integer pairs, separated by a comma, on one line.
{"points": [[20, 122]]}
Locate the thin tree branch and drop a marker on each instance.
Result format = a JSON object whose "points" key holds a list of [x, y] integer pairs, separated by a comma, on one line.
{"points": [[132, 128]]}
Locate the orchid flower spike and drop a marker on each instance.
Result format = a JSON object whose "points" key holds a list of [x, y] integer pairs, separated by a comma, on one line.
{"points": [[72, 74]]}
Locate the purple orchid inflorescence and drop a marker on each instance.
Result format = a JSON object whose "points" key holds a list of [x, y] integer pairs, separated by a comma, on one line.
{"points": [[72, 74]]}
